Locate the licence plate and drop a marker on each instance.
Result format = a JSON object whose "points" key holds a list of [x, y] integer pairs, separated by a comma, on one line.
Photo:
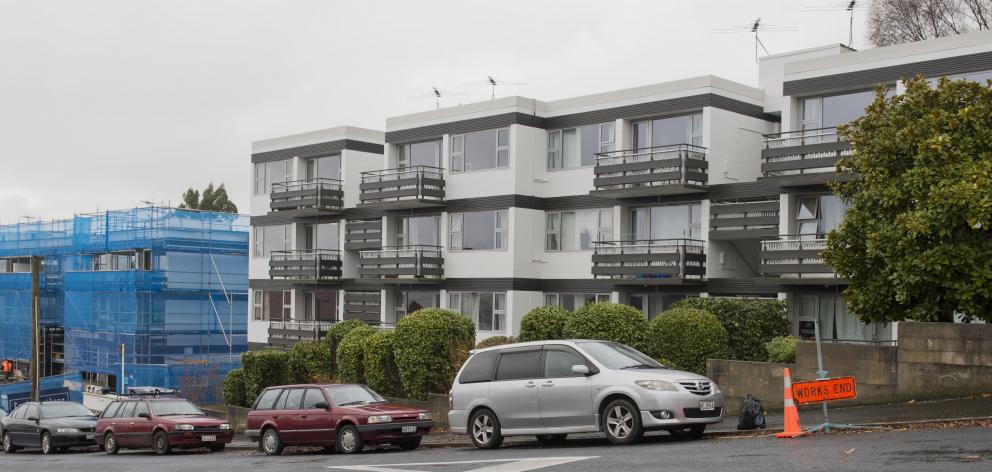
{"points": [[90, 436], [210, 438], [707, 406], [408, 429]]}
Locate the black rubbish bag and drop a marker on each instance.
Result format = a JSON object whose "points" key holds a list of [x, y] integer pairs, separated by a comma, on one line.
{"points": [[752, 414]]}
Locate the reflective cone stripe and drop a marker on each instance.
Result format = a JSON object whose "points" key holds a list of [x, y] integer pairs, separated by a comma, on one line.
{"points": [[792, 428]]}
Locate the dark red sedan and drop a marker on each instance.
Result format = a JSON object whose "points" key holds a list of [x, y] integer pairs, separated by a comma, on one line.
{"points": [[160, 424], [346, 417]]}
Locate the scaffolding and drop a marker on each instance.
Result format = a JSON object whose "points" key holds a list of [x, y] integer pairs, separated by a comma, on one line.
{"points": [[169, 284]]}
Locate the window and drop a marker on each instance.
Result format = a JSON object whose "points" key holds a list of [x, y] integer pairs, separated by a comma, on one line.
{"points": [[516, 365], [312, 398], [571, 301], [258, 187], [271, 238], [667, 222], [322, 236], [111, 410], [32, 412], [128, 410], [292, 400], [327, 167], [480, 150], [558, 362], [174, 408], [477, 230], [817, 215], [352, 394], [576, 230], [418, 230], [684, 129], [486, 309], [616, 355], [272, 305], [419, 154], [268, 173], [125, 260], [408, 302], [142, 407], [267, 400], [577, 147], [479, 368], [834, 110]]}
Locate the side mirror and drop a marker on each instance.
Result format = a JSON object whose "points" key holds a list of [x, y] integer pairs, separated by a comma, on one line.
{"points": [[322, 406], [32, 418], [580, 369], [143, 415]]}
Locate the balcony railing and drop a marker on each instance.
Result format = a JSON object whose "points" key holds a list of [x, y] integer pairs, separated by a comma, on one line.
{"points": [[655, 170], [305, 264], [802, 152], [402, 263], [288, 333], [363, 234], [733, 220], [403, 187], [649, 259], [794, 254], [308, 194]]}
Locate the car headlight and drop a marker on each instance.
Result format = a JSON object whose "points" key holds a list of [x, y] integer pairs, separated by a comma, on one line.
{"points": [[657, 385], [224, 427], [184, 427], [68, 430], [380, 419], [424, 416]]}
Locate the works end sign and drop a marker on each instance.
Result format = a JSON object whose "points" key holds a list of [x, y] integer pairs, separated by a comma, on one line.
{"points": [[824, 390]]}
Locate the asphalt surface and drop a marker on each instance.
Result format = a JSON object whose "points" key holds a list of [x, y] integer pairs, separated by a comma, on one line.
{"points": [[963, 449]]}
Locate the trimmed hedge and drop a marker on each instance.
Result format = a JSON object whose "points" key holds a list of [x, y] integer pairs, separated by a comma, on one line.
{"points": [[310, 361], [686, 337], [264, 369], [749, 323], [381, 372], [544, 322], [782, 349], [607, 322], [234, 388], [431, 345], [334, 337], [351, 354], [495, 341]]}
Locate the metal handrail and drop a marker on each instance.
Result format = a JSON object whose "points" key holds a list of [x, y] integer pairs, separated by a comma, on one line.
{"points": [[395, 250], [307, 184], [654, 242], [801, 137], [305, 254], [637, 154], [394, 173], [794, 242]]}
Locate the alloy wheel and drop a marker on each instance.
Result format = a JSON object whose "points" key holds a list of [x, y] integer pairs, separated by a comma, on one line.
{"points": [[620, 422], [8, 444], [46, 443], [348, 440], [482, 429], [269, 441]]}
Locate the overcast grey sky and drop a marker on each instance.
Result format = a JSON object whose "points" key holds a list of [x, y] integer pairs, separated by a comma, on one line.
{"points": [[106, 103]]}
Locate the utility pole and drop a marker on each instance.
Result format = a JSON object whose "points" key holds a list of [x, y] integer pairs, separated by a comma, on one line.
{"points": [[36, 362]]}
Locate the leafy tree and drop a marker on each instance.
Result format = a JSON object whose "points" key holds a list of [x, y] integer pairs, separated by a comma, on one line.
{"points": [[917, 239], [212, 200], [749, 323], [902, 21], [543, 322]]}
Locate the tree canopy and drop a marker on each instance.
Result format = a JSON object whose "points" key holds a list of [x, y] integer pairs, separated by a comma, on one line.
{"points": [[212, 200], [916, 242], [902, 21]]}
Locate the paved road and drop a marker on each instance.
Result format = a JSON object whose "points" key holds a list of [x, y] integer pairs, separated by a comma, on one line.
{"points": [[923, 450]]}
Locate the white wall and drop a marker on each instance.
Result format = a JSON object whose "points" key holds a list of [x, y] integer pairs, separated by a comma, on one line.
{"points": [[733, 143], [353, 163]]}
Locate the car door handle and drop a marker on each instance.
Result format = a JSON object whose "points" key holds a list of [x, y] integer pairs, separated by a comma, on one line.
{"points": [[530, 385], [303, 417], [548, 384], [132, 424]]}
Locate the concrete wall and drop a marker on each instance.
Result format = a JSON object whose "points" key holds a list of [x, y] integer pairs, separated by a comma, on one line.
{"points": [[941, 360], [762, 380]]}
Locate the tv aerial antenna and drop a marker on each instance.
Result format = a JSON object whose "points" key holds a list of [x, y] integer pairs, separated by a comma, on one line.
{"points": [[849, 6], [755, 27], [492, 82], [437, 94]]}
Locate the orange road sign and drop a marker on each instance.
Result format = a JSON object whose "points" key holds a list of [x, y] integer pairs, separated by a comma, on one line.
{"points": [[824, 390]]}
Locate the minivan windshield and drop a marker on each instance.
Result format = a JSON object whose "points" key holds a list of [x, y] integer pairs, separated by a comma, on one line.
{"points": [[174, 408], [618, 356], [64, 410], [344, 395]]}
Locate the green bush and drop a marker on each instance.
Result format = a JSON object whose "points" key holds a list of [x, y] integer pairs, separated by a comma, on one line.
{"points": [[310, 361], [264, 369], [544, 322], [431, 345], [334, 337], [495, 341], [381, 372], [686, 337], [749, 323], [234, 388], [782, 349], [607, 322], [351, 355]]}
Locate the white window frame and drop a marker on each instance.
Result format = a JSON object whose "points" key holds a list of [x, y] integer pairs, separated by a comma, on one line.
{"points": [[458, 151], [554, 298], [259, 188], [258, 305], [556, 146], [258, 245], [498, 320], [500, 230], [603, 233]]}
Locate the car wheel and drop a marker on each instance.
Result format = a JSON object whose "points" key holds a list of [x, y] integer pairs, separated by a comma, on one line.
{"points": [[688, 432], [349, 441], [409, 444], [622, 422], [485, 429], [160, 443], [8, 444], [46, 444], [110, 445], [271, 443], [551, 439], [217, 447]]}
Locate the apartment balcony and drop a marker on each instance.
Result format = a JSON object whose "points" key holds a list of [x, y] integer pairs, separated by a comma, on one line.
{"points": [[665, 170], [743, 220], [401, 189], [403, 264], [794, 255], [365, 306], [306, 264], [363, 234], [650, 262], [309, 197], [807, 157], [286, 334]]}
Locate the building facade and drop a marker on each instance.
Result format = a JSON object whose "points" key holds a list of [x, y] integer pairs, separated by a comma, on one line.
{"points": [[643, 196]]}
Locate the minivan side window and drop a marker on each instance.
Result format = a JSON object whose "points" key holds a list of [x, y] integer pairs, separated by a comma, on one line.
{"points": [[111, 410], [558, 362], [479, 368], [292, 400], [515, 365], [268, 399]]}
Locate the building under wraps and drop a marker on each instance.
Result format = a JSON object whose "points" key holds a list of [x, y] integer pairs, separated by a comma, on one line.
{"points": [[170, 285]]}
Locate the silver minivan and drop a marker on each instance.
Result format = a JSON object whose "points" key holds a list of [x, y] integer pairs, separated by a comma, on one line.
{"points": [[553, 388]]}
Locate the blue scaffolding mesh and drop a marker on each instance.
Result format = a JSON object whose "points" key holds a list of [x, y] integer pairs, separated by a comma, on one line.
{"points": [[169, 284]]}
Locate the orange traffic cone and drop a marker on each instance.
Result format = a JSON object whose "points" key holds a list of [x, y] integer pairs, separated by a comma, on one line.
{"points": [[792, 428]]}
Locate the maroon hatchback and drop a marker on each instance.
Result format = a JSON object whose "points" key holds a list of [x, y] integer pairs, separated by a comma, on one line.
{"points": [[159, 423], [346, 417]]}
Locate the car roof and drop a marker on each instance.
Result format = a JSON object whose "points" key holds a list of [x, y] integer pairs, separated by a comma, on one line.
{"points": [[313, 385], [546, 342]]}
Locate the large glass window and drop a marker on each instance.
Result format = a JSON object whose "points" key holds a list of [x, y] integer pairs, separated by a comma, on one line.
{"points": [[270, 238], [834, 110], [683, 129], [577, 147], [817, 215], [667, 222], [571, 301], [322, 236], [272, 305], [407, 302], [486, 309], [480, 150], [477, 230], [320, 305], [577, 229], [427, 153], [327, 167], [268, 173], [418, 230]]}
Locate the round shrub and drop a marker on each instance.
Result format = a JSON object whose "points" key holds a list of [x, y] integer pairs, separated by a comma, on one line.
{"points": [[351, 355], [749, 323], [264, 369], [607, 322], [686, 337], [782, 349], [544, 322], [495, 341], [334, 337], [310, 361], [234, 388], [381, 372], [431, 345]]}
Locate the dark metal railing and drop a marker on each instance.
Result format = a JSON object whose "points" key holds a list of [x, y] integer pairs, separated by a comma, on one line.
{"points": [[805, 151], [412, 183], [414, 261], [658, 165], [316, 193], [794, 254], [305, 264], [650, 258]]}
